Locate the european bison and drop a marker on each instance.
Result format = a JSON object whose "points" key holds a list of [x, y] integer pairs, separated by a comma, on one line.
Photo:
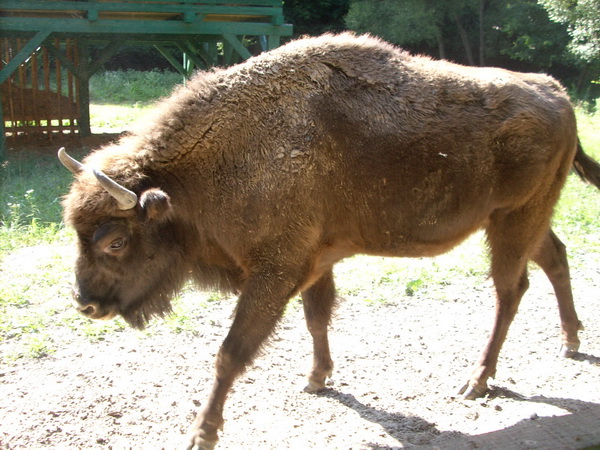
{"points": [[260, 177]]}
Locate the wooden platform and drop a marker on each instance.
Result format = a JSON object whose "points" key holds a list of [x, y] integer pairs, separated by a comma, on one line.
{"points": [[144, 17], [207, 33]]}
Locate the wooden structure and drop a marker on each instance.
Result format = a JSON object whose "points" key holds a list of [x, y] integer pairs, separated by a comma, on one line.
{"points": [[207, 32], [40, 97]]}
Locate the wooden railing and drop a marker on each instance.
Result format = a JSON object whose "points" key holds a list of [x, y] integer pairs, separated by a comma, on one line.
{"points": [[40, 97], [193, 27], [115, 11]]}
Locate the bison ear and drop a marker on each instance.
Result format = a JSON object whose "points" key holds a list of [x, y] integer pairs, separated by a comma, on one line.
{"points": [[156, 204]]}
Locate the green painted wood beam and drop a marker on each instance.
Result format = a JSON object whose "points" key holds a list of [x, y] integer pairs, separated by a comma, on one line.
{"points": [[23, 54], [65, 62], [273, 41], [198, 50], [141, 7], [12, 65], [2, 139], [191, 55], [129, 27], [84, 122], [237, 46], [174, 62], [105, 55]]}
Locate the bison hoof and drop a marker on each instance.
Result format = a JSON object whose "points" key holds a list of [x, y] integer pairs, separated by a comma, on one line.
{"points": [[313, 387], [201, 444], [569, 350], [469, 392]]}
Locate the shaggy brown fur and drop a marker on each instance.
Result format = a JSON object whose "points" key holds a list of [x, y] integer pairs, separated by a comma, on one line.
{"points": [[260, 177]]}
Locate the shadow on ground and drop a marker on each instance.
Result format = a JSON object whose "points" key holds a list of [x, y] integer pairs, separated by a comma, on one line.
{"points": [[578, 430]]}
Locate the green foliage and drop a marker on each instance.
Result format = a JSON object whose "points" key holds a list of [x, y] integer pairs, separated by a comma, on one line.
{"points": [[583, 20], [137, 57], [127, 87], [314, 17], [408, 22], [39, 345], [30, 211], [527, 34], [517, 35], [576, 216], [421, 24]]}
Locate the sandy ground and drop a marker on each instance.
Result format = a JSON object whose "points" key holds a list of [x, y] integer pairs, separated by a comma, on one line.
{"points": [[399, 366]]}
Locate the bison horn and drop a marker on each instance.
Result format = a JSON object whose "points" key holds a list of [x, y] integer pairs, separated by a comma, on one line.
{"points": [[125, 198], [70, 163]]}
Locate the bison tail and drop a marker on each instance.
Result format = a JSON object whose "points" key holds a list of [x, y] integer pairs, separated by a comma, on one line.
{"points": [[586, 167]]}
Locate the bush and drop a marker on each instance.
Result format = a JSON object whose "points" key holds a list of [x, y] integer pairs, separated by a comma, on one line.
{"points": [[130, 87]]}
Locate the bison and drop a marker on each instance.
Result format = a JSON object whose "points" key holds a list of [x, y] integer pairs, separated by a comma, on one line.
{"points": [[258, 178]]}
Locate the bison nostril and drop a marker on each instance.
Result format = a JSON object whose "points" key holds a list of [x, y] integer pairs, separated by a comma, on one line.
{"points": [[88, 310]]}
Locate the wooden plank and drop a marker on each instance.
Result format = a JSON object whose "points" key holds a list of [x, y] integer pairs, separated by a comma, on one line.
{"points": [[34, 87], [129, 27], [15, 7], [46, 72], [174, 62], [31, 104], [237, 46], [27, 50], [196, 50], [188, 51], [109, 50], [71, 4], [59, 84]]}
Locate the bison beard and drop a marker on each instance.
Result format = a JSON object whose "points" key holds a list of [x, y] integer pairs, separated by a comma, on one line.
{"points": [[260, 177]]}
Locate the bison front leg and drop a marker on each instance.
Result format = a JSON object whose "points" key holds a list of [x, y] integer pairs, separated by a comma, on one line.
{"points": [[318, 303], [260, 306]]}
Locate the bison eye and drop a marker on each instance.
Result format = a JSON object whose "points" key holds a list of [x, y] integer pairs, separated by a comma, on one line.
{"points": [[117, 244]]}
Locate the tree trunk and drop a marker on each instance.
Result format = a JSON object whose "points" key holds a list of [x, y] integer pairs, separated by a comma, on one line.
{"points": [[482, 4], [441, 48], [465, 40], [83, 74]]}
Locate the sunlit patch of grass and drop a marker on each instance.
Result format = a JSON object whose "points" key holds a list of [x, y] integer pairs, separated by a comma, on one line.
{"points": [[116, 118], [379, 280], [121, 98]]}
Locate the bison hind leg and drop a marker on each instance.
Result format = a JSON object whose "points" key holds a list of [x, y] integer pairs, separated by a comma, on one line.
{"points": [[552, 258], [513, 237]]}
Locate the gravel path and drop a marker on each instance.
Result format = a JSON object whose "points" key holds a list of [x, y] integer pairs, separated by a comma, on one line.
{"points": [[398, 368]]}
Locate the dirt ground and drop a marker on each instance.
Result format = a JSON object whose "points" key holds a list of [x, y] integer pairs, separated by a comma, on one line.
{"points": [[399, 366]]}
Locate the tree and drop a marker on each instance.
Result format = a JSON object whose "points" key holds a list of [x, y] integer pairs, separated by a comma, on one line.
{"points": [[583, 20], [421, 22], [523, 31], [516, 34], [314, 17], [408, 22]]}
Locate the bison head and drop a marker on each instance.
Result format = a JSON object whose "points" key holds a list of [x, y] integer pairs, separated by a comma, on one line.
{"points": [[130, 259]]}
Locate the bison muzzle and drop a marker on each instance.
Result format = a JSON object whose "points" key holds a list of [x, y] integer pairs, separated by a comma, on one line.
{"points": [[258, 178]]}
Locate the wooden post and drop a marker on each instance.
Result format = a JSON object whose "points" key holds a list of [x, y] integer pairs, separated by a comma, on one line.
{"points": [[83, 74], [2, 155]]}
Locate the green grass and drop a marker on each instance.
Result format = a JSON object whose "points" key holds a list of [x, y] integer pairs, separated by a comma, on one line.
{"points": [[577, 215], [120, 98], [131, 87], [36, 250], [30, 212]]}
